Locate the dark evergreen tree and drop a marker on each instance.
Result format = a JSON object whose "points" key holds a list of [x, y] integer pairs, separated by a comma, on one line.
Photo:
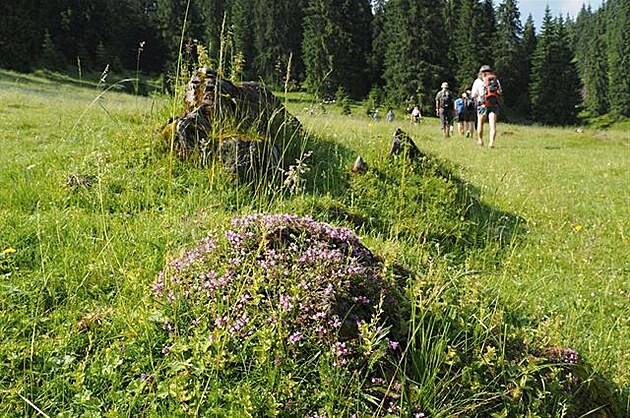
{"points": [[582, 31], [486, 33], [528, 46], [242, 26], [555, 85], [277, 37], [618, 23], [181, 24], [590, 48], [508, 53], [22, 31], [465, 43], [336, 46], [379, 43], [50, 56], [416, 59]]}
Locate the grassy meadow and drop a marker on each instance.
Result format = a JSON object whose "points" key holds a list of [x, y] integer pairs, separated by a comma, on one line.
{"points": [[528, 241]]}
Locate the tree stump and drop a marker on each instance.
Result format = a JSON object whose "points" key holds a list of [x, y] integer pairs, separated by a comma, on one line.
{"points": [[245, 127]]}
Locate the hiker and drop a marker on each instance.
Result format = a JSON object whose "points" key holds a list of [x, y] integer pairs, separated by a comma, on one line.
{"points": [[486, 91], [444, 108], [470, 118], [390, 115], [460, 112], [416, 117]]}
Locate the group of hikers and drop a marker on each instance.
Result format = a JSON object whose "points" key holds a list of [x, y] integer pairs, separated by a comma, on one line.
{"points": [[471, 110]]}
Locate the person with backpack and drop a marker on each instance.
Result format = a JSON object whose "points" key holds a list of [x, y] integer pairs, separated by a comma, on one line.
{"points": [[460, 112], [444, 108], [486, 91], [470, 118]]}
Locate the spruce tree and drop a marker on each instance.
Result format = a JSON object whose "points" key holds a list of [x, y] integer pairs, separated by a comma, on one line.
{"points": [[508, 53], [51, 57], [379, 43], [242, 26], [465, 41], [486, 32], [277, 39], [337, 43], [22, 29], [619, 56], [416, 59], [590, 44], [528, 46], [555, 85]]}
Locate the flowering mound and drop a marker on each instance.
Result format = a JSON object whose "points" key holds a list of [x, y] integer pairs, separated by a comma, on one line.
{"points": [[282, 291]]}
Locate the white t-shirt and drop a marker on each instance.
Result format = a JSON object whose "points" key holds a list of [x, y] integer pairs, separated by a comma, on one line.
{"points": [[477, 91]]}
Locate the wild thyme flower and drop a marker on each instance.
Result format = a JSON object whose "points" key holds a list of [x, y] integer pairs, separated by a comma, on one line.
{"points": [[268, 273], [570, 356], [221, 322], [341, 349], [378, 380], [393, 345], [393, 408], [295, 337], [285, 303], [334, 322], [238, 325], [563, 355]]}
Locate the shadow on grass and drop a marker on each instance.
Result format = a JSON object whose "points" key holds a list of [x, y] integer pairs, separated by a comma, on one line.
{"points": [[51, 79], [423, 203]]}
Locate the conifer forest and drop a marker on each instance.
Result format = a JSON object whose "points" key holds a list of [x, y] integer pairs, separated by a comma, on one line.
{"points": [[397, 50]]}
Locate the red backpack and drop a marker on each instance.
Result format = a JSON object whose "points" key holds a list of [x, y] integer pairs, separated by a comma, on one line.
{"points": [[492, 90]]}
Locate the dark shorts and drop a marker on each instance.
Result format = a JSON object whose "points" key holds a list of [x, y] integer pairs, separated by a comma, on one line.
{"points": [[461, 117], [483, 111], [445, 118]]}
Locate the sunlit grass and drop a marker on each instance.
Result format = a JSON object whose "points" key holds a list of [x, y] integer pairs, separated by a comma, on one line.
{"points": [[75, 314], [572, 270]]}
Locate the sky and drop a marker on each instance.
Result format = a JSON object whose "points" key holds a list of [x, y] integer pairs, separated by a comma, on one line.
{"points": [[558, 8]]}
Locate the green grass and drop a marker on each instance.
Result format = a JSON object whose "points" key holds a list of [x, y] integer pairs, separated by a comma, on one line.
{"points": [[545, 246], [572, 270]]}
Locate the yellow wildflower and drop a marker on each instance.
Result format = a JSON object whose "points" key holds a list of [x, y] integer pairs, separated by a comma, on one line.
{"points": [[9, 250]]}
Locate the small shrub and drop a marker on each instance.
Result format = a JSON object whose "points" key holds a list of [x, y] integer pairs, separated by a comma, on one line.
{"points": [[299, 309]]}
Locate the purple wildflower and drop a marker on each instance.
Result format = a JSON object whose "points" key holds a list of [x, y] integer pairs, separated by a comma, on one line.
{"points": [[570, 356], [393, 345], [221, 322], [392, 408], [378, 381], [341, 349], [295, 337], [334, 322], [285, 303]]}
